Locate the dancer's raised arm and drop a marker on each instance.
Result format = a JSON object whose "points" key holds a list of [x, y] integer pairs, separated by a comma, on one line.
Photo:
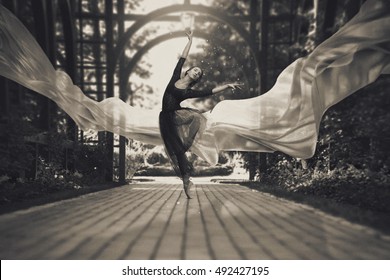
{"points": [[188, 46]]}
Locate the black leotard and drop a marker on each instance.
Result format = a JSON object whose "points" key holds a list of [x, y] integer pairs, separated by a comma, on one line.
{"points": [[173, 96], [180, 126]]}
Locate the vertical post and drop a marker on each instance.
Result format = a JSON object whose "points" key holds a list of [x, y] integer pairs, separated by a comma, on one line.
{"points": [[97, 53], [81, 55], [110, 83], [292, 26], [352, 8], [36, 161], [69, 36], [4, 99], [122, 95], [265, 7], [329, 20], [41, 25], [264, 46], [51, 19], [253, 29], [253, 159], [4, 83], [67, 17]]}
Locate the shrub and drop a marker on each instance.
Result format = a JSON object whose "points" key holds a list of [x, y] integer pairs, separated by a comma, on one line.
{"points": [[345, 183], [16, 155], [156, 158], [92, 161], [223, 158], [199, 171], [156, 171], [214, 171]]}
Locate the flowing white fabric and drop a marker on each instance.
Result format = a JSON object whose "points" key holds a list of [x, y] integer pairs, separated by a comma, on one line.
{"points": [[286, 118]]}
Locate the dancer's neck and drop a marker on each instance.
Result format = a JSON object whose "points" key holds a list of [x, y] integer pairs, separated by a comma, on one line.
{"points": [[183, 82]]}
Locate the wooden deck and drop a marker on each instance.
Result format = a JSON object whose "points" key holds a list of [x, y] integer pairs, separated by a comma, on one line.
{"points": [[156, 221]]}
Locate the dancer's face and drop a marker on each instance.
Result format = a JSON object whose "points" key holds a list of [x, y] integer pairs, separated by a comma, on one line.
{"points": [[195, 73]]}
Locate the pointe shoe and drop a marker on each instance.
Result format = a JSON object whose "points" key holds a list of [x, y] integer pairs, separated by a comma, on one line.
{"points": [[187, 186]]}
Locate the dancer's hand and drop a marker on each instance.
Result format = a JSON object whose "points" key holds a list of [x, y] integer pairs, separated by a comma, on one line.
{"points": [[234, 86], [189, 34], [186, 50]]}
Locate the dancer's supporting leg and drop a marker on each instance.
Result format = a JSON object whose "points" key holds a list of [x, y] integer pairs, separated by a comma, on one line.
{"points": [[185, 169]]}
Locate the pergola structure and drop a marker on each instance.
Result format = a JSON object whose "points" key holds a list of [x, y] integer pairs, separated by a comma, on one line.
{"points": [[264, 32]]}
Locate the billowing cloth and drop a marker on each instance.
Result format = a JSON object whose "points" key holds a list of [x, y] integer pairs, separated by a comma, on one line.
{"points": [[286, 118]]}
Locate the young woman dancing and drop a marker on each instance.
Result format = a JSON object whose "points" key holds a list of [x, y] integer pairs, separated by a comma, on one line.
{"points": [[180, 127]]}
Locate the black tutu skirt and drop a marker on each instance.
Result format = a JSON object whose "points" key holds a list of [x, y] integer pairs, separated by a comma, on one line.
{"points": [[179, 130]]}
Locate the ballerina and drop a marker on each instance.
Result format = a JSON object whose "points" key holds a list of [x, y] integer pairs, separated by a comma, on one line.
{"points": [[181, 126]]}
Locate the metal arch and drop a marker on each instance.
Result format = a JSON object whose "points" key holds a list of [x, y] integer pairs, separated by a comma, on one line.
{"points": [[134, 60], [213, 12]]}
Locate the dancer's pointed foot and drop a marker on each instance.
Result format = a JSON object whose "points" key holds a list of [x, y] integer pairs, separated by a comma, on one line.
{"points": [[304, 164], [187, 186]]}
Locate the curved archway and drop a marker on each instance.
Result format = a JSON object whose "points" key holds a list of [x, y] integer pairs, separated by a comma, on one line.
{"points": [[213, 12], [135, 59]]}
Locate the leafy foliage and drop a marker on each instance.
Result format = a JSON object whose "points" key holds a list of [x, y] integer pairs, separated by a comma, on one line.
{"points": [[136, 153], [224, 57], [92, 161], [16, 154]]}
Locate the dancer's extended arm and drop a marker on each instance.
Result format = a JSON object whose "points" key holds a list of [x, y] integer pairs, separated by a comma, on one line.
{"points": [[190, 93], [233, 86], [188, 46]]}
